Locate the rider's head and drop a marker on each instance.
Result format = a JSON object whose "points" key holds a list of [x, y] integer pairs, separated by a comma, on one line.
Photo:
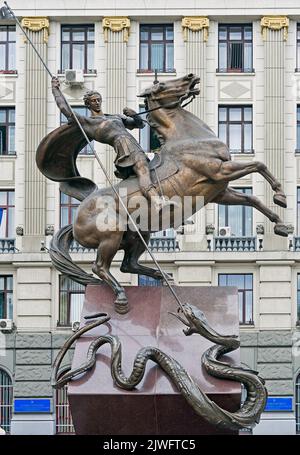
{"points": [[93, 100]]}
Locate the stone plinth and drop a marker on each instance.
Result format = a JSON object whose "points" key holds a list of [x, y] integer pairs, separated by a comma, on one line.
{"points": [[155, 407]]}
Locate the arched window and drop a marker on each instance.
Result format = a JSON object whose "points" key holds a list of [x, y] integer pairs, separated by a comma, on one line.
{"points": [[64, 422], [298, 404], [6, 399]]}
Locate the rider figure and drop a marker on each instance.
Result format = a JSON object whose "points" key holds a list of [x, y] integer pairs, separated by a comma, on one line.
{"points": [[112, 130]]}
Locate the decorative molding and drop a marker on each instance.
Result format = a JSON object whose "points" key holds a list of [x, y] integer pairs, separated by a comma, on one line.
{"points": [[116, 24], [36, 24], [195, 23], [274, 23]]}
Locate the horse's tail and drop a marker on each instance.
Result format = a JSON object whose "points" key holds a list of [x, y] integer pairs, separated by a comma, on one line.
{"points": [[62, 261]]}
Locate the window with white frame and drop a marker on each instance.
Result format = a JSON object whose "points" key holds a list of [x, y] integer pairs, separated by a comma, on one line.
{"points": [[7, 131], [6, 297], [244, 283]]}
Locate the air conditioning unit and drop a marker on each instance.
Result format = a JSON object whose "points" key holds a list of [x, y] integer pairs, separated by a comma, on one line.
{"points": [[75, 325], [225, 231], [6, 324], [74, 77]]}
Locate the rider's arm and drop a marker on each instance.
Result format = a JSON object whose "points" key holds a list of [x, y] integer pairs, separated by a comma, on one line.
{"points": [[59, 98], [131, 119]]}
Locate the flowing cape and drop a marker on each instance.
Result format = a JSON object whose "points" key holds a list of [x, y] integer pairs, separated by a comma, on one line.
{"points": [[56, 159]]}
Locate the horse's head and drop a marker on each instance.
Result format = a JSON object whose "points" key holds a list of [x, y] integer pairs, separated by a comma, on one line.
{"points": [[171, 93]]}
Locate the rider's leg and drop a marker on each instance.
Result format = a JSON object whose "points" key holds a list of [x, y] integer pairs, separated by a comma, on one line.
{"points": [[147, 187]]}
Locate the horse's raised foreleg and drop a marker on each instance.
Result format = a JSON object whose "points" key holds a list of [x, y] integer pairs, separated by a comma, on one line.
{"points": [[134, 248], [232, 197], [233, 170], [107, 249]]}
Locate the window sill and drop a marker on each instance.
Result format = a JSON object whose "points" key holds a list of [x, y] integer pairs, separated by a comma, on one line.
{"points": [[91, 72], [243, 325], [152, 73], [235, 73], [252, 153], [297, 152], [9, 73], [6, 156]]}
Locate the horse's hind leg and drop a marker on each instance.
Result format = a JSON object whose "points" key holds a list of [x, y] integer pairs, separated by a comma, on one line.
{"points": [[134, 248], [233, 170], [232, 197], [107, 249]]}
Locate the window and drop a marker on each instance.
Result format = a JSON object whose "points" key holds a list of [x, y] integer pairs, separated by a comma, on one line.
{"points": [[148, 139], [6, 297], [157, 48], [6, 399], [71, 298], [298, 211], [298, 299], [84, 111], [298, 47], [68, 207], [298, 404], [77, 47], [7, 214], [237, 217], [235, 128], [235, 48], [7, 131], [244, 283], [298, 129], [149, 281], [7, 48]]}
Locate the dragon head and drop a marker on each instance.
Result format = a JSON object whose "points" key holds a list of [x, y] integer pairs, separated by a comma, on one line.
{"points": [[193, 318]]}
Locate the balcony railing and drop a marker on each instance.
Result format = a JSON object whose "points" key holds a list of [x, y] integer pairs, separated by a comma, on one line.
{"points": [[7, 246], [235, 244], [75, 247], [164, 244], [158, 244]]}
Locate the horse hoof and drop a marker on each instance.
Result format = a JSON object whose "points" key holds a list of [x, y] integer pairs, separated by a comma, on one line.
{"points": [[280, 199], [281, 229], [121, 306]]}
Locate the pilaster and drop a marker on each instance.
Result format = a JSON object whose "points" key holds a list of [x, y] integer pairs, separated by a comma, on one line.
{"points": [[116, 32], [35, 130]]}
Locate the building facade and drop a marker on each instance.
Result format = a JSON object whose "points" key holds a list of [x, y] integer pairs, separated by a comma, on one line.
{"points": [[248, 58]]}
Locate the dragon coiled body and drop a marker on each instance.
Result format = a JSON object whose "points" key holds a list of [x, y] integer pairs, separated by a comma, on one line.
{"points": [[246, 417]]}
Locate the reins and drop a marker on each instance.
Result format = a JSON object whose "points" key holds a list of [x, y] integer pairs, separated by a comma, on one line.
{"points": [[175, 103]]}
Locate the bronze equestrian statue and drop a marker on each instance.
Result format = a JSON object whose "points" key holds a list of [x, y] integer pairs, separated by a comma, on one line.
{"points": [[192, 162]]}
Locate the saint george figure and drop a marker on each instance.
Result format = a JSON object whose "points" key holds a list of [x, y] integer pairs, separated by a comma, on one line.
{"points": [[112, 130]]}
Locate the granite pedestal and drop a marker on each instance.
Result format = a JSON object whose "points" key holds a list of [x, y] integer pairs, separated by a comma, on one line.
{"points": [[155, 407]]}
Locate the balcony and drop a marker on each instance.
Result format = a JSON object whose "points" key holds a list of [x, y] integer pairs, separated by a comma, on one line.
{"points": [[163, 244], [245, 244], [7, 246]]}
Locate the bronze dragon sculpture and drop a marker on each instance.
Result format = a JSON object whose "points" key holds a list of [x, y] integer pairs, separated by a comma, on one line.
{"points": [[246, 417]]}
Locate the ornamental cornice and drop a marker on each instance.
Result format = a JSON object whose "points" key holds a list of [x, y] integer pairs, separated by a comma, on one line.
{"points": [[36, 24], [274, 23], [195, 23], [116, 24]]}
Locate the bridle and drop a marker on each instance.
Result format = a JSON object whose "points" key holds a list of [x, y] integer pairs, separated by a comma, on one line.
{"points": [[174, 104]]}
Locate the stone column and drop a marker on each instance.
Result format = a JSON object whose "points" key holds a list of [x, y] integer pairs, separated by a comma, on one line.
{"points": [[195, 35], [116, 34], [35, 130], [274, 33]]}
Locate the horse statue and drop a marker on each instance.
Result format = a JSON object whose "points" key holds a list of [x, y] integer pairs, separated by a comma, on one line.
{"points": [[192, 162]]}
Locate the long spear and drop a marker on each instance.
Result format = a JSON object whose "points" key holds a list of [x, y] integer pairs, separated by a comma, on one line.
{"points": [[7, 13]]}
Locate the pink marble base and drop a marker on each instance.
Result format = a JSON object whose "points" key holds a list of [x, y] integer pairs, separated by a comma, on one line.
{"points": [[155, 407]]}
